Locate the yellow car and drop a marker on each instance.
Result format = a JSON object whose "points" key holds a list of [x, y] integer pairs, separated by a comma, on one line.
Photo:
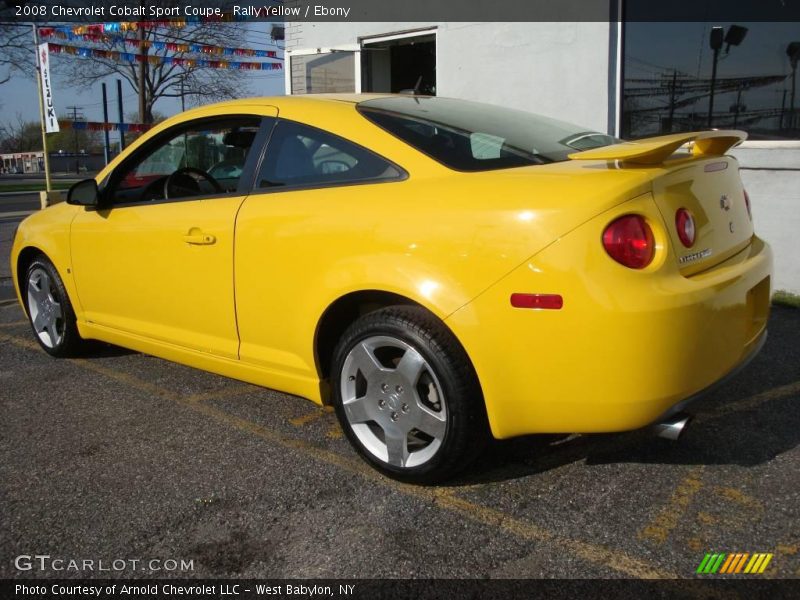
{"points": [[438, 270]]}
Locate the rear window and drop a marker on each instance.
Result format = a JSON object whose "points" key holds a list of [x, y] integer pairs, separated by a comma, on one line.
{"points": [[469, 136]]}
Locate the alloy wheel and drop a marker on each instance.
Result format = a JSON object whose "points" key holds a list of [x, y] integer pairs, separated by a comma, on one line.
{"points": [[45, 311], [393, 401]]}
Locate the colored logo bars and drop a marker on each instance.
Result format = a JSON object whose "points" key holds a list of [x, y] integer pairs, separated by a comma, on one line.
{"points": [[734, 563]]}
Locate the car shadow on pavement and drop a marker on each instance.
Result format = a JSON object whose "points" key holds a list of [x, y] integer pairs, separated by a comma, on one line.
{"points": [[97, 349], [746, 433]]}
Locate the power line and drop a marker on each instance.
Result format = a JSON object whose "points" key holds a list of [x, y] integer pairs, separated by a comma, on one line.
{"points": [[125, 97], [75, 116]]}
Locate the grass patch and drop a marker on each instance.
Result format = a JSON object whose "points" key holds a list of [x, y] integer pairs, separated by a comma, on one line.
{"points": [[34, 187], [786, 299]]}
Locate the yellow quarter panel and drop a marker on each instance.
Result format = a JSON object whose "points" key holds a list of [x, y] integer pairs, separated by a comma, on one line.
{"points": [[627, 344], [48, 232]]}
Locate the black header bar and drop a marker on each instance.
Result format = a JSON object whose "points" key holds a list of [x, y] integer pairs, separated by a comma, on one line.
{"points": [[712, 11]]}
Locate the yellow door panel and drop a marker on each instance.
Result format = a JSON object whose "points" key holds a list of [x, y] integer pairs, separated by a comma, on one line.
{"points": [[161, 270]]}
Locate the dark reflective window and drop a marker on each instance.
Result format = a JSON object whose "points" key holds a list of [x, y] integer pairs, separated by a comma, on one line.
{"points": [[299, 155], [469, 136], [670, 83]]}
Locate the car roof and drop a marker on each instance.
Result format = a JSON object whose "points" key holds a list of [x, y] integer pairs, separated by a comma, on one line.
{"points": [[290, 104], [298, 99]]}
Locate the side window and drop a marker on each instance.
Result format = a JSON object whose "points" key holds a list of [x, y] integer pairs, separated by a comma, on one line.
{"points": [[203, 158], [299, 155]]}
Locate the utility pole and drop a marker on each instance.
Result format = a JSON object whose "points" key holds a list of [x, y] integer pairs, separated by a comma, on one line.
{"points": [[783, 110], [793, 122], [793, 52], [106, 140], [142, 72], [75, 117], [672, 99], [738, 107], [733, 37], [120, 116], [717, 34]]}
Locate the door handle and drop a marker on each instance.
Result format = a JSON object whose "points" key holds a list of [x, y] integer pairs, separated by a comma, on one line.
{"points": [[199, 239]]}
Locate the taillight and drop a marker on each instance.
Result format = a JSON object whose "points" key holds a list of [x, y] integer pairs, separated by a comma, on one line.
{"points": [[629, 241], [684, 223], [747, 204]]}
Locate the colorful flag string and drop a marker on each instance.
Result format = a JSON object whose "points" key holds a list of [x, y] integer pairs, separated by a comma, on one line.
{"points": [[157, 60], [104, 126], [63, 34], [125, 26]]}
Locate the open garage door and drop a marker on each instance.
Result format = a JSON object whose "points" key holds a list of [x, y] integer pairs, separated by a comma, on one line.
{"points": [[400, 62]]}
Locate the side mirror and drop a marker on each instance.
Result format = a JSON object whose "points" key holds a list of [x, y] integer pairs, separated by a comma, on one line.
{"points": [[83, 193]]}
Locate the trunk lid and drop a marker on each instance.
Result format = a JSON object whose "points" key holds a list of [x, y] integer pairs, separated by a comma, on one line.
{"points": [[712, 191], [705, 182]]}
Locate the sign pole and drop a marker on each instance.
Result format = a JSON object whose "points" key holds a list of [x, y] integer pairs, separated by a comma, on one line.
{"points": [[42, 115]]}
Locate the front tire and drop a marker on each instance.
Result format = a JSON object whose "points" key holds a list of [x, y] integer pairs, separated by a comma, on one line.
{"points": [[49, 310], [406, 395]]}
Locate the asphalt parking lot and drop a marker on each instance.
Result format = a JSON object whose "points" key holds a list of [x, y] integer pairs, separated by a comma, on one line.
{"points": [[119, 455]]}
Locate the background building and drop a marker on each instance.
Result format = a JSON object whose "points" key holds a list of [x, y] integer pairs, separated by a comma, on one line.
{"points": [[60, 162], [552, 66], [22, 162]]}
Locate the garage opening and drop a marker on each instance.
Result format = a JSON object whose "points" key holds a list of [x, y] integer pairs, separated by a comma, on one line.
{"points": [[398, 63]]}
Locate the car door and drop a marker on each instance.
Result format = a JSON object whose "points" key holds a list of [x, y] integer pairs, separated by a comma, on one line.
{"points": [[157, 261], [310, 186]]}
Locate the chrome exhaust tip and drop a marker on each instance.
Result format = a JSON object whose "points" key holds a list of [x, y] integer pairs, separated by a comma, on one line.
{"points": [[672, 427]]}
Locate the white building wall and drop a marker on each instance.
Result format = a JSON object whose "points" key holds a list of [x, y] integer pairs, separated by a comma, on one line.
{"points": [[559, 70], [771, 176]]}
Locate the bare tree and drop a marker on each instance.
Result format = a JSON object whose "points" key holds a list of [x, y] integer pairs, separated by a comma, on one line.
{"points": [[16, 51], [164, 80], [20, 136]]}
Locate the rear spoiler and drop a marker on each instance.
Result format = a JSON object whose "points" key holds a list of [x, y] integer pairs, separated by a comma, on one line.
{"points": [[655, 150]]}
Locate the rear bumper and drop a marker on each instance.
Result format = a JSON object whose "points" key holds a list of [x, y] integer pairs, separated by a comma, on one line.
{"points": [[685, 404], [627, 347]]}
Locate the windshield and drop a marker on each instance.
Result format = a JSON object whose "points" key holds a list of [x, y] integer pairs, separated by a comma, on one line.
{"points": [[469, 136]]}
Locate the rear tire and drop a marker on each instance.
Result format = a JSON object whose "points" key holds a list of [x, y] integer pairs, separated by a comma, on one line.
{"points": [[49, 310], [407, 397]]}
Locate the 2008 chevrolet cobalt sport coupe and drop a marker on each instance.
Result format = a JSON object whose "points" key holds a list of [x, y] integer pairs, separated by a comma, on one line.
{"points": [[438, 270]]}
